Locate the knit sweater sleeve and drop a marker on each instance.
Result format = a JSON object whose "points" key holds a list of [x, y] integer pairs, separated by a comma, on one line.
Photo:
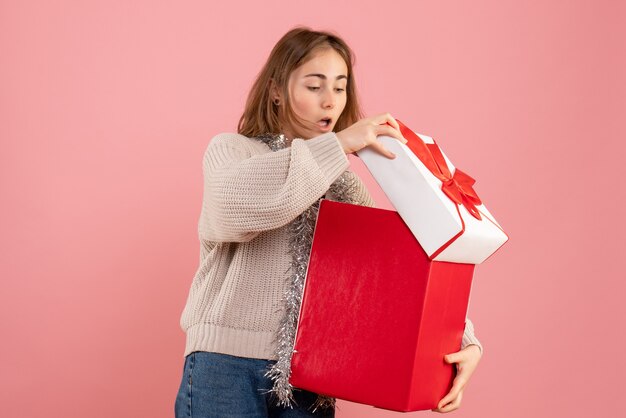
{"points": [[247, 191], [468, 336], [360, 194]]}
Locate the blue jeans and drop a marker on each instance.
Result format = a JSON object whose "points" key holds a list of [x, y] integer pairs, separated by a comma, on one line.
{"points": [[216, 385]]}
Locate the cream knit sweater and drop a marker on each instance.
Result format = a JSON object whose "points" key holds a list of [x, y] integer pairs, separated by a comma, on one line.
{"points": [[251, 194]]}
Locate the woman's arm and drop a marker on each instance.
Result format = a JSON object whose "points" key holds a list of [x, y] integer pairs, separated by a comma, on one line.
{"points": [[246, 193], [360, 195], [468, 336]]}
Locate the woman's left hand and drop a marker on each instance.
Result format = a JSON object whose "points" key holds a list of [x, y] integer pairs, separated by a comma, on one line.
{"points": [[467, 359]]}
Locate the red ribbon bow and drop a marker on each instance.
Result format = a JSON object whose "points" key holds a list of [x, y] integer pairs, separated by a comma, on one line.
{"points": [[457, 187]]}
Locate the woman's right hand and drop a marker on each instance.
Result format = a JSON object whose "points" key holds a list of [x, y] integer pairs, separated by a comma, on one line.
{"points": [[364, 132]]}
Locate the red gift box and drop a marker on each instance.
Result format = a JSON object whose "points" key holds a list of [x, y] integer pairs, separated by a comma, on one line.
{"points": [[377, 316]]}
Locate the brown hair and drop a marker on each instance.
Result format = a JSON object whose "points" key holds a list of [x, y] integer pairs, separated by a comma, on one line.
{"points": [[294, 49]]}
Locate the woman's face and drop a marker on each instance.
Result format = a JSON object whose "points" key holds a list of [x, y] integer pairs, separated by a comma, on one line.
{"points": [[318, 91]]}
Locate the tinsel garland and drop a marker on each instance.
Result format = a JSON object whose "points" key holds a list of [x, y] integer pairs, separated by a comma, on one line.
{"points": [[300, 241]]}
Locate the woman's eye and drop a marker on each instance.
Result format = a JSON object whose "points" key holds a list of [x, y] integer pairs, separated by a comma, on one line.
{"points": [[317, 88]]}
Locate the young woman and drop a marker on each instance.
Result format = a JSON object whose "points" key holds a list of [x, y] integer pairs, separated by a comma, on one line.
{"points": [[262, 186]]}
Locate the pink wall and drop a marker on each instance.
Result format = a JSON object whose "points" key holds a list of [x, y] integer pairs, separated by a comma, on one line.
{"points": [[106, 108]]}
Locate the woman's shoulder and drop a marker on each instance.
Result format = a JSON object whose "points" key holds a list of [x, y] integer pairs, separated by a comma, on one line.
{"points": [[236, 140]]}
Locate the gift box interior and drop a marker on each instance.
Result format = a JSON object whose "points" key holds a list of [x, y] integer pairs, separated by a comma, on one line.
{"points": [[377, 316]]}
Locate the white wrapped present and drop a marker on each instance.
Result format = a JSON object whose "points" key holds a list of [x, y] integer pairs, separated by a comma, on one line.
{"points": [[435, 200]]}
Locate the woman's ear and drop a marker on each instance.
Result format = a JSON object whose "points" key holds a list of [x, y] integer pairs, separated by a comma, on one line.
{"points": [[274, 92]]}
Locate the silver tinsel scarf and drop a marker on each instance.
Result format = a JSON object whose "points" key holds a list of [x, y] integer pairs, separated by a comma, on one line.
{"points": [[301, 237]]}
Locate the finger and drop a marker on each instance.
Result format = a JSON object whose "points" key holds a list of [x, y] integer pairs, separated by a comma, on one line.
{"points": [[444, 404], [454, 404], [394, 122], [393, 125], [457, 387], [389, 131], [450, 407], [384, 118], [458, 384], [454, 357], [381, 149], [448, 398]]}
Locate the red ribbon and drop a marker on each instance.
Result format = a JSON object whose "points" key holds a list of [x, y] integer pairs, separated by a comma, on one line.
{"points": [[457, 187]]}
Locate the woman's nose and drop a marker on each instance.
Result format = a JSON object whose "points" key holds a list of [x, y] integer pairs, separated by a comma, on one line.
{"points": [[328, 100]]}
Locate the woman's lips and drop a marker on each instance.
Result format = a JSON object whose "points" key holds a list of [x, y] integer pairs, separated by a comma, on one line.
{"points": [[325, 126]]}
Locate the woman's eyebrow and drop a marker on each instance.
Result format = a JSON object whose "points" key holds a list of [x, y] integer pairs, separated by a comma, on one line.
{"points": [[323, 77]]}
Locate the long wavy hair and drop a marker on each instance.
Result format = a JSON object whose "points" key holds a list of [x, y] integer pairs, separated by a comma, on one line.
{"points": [[261, 115]]}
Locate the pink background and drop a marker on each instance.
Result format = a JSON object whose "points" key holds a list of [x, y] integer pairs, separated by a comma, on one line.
{"points": [[107, 106]]}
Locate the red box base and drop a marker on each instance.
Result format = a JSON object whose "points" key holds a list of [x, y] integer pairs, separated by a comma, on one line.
{"points": [[377, 316]]}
